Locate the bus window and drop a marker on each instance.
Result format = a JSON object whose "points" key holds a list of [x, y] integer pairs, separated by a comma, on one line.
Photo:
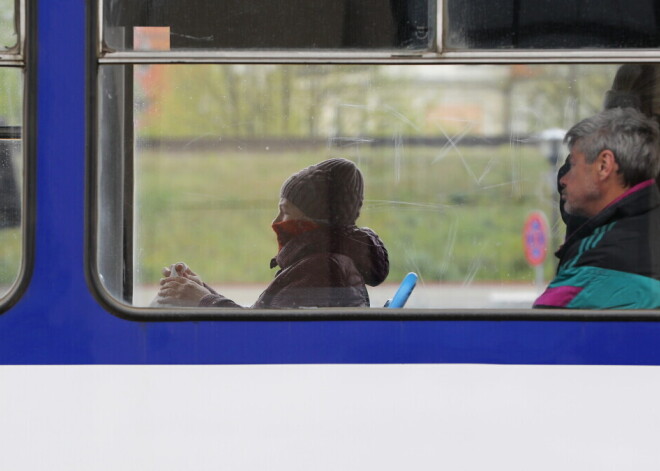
{"points": [[9, 25], [264, 24], [551, 24], [203, 112], [11, 148], [455, 158], [11, 177]]}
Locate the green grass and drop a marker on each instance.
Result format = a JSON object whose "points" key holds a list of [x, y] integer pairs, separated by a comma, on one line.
{"points": [[10, 255], [449, 216]]}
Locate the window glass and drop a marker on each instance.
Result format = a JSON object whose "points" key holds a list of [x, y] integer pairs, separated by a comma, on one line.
{"points": [[265, 24], [551, 24], [8, 27], [11, 176], [455, 158]]}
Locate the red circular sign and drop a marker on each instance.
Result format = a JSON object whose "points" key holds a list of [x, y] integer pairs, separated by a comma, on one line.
{"points": [[536, 238]]}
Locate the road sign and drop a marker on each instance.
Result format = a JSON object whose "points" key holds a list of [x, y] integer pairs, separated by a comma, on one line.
{"points": [[535, 238]]}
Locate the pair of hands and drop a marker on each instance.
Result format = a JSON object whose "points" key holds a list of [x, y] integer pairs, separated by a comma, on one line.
{"points": [[182, 285]]}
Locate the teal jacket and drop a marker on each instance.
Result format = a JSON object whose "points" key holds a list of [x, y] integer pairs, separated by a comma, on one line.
{"points": [[613, 260]]}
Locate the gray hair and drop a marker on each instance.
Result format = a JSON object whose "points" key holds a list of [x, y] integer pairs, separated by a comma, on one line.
{"points": [[633, 138]]}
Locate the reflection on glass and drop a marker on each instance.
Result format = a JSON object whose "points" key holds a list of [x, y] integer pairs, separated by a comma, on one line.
{"points": [[452, 158], [551, 24], [8, 30], [11, 176], [265, 24]]}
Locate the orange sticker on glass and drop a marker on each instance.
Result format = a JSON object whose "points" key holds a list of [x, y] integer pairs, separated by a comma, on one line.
{"points": [[151, 38]]}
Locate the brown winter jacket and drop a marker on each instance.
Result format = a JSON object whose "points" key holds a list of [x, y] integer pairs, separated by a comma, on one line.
{"points": [[327, 267]]}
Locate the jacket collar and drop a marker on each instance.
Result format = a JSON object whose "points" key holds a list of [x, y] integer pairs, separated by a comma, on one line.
{"points": [[310, 242], [638, 199], [360, 244]]}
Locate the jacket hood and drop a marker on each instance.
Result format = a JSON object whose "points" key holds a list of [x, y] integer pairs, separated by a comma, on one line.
{"points": [[361, 244]]}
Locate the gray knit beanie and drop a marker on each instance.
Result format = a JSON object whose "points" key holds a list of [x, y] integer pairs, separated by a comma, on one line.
{"points": [[330, 192]]}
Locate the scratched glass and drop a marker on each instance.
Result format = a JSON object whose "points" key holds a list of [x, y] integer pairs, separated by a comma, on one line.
{"points": [[455, 159]]}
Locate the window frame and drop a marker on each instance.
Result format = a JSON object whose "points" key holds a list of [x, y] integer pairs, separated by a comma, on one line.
{"points": [[23, 56], [437, 53], [100, 57]]}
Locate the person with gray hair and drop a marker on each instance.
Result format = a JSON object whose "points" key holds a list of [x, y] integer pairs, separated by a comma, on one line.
{"points": [[612, 261], [634, 86], [631, 136]]}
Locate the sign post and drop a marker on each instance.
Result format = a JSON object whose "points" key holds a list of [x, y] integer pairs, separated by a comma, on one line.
{"points": [[536, 236]]}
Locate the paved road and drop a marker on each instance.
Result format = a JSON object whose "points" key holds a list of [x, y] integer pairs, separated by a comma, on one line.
{"points": [[480, 296]]}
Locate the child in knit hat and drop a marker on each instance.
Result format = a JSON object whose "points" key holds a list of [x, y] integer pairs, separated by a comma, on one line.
{"points": [[324, 259]]}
